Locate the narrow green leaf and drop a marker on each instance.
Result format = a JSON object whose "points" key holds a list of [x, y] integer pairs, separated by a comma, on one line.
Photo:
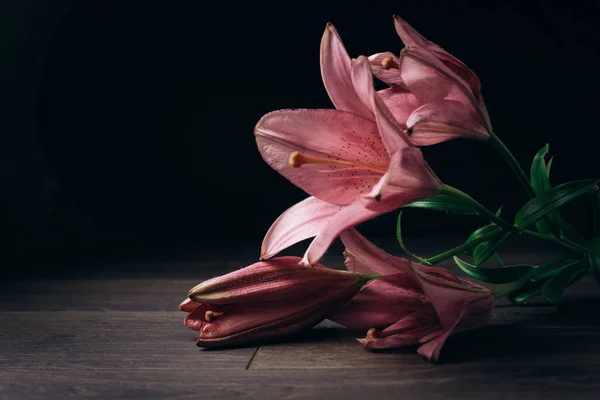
{"points": [[541, 272], [498, 260], [539, 174], [483, 231], [550, 201], [568, 232], [443, 202], [401, 242], [526, 292], [556, 284], [493, 275], [486, 249]]}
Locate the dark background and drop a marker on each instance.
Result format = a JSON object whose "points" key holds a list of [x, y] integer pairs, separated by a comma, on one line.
{"points": [[129, 124]]}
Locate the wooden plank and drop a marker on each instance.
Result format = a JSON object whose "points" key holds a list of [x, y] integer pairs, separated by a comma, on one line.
{"points": [[111, 340], [166, 294], [123, 340], [464, 382], [505, 341], [97, 295]]}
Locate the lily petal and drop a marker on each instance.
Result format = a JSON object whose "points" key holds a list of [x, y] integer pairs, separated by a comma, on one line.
{"points": [[410, 37], [365, 258], [426, 77], [392, 135], [443, 120], [381, 303], [401, 103], [408, 170], [391, 76], [449, 298], [336, 74], [299, 222], [405, 332], [188, 305], [350, 141], [360, 211]]}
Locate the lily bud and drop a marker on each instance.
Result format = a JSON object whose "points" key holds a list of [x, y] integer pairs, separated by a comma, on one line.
{"points": [[265, 300]]}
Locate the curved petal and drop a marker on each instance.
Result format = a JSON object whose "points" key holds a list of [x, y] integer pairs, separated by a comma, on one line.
{"points": [[401, 103], [352, 143], [444, 120], [360, 211], [381, 303], [197, 318], [188, 305], [392, 135], [299, 222], [410, 37], [391, 76], [336, 74], [407, 170], [366, 258], [424, 75], [474, 313], [407, 331], [448, 297]]}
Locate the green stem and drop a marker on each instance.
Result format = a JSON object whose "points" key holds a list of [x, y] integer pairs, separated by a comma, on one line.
{"points": [[481, 210], [368, 277], [459, 249], [567, 245], [512, 163]]}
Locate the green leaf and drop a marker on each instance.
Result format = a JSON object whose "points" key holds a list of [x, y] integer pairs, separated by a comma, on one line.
{"points": [[493, 275], [443, 202], [483, 231], [540, 172], [594, 257], [485, 250], [526, 292], [542, 272], [498, 260], [547, 202], [557, 283], [401, 242], [568, 232]]}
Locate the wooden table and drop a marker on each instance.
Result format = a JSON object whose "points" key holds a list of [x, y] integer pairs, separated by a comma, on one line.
{"points": [[112, 331]]}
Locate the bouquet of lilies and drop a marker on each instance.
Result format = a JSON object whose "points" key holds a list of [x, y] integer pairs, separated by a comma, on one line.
{"points": [[361, 160]]}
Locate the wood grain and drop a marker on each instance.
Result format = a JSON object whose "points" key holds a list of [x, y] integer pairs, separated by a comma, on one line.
{"points": [[120, 336], [460, 382]]}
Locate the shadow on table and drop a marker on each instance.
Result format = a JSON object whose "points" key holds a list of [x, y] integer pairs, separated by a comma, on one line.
{"points": [[542, 335]]}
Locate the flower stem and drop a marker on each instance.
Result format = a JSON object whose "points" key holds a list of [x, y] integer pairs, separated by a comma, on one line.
{"points": [[512, 162], [567, 245], [481, 210], [459, 249], [369, 277]]}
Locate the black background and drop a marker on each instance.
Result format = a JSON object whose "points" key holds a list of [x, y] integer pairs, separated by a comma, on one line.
{"points": [[147, 108]]}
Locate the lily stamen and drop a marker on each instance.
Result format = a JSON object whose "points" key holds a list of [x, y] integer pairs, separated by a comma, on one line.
{"points": [[389, 63], [209, 315], [296, 160]]}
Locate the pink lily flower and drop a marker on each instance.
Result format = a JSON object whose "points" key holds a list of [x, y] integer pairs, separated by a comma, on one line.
{"points": [[355, 162], [414, 304], [265, 300], [446, 92]]}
